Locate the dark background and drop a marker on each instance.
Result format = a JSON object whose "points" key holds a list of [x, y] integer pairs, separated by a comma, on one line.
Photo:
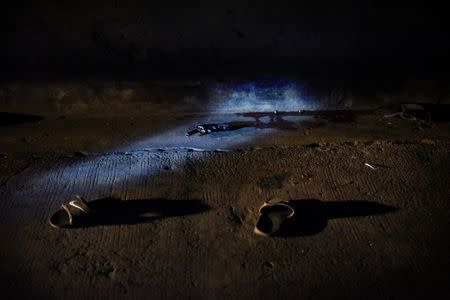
{"points": [[208, 37]]}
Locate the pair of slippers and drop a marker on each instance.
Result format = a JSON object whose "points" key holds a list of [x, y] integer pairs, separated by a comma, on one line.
{"points": [[272, 214]]}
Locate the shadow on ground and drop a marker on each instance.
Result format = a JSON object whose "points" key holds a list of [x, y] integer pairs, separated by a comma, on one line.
{"points": [[114, 211], [311, 215]]}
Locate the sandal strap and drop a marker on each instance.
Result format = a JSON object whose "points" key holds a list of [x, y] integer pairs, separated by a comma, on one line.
{"points": [[69, 213], [281, 202], [79, 204], [276, 201], [76, 208]]}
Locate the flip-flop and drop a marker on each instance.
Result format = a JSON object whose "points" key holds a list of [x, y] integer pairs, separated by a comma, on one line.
{"points": [[70, 214], [271, 216]]}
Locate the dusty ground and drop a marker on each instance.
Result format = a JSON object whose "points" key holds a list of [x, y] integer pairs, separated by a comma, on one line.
{"points": [[342, 249]]}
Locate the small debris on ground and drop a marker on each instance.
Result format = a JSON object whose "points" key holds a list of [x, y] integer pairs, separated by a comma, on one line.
{"points": [[370, 166], [377, 166]]}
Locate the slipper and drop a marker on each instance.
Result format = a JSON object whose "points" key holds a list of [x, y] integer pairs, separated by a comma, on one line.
{"points": [[70, 214], [271, 216]]}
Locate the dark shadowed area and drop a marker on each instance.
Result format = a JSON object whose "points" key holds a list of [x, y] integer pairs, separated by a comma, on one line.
{"points": [[324, 37], [312, 216]]}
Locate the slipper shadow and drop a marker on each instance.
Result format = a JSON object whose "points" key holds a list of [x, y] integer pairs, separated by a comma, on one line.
{"points": [[114, 211], [311, 215]]}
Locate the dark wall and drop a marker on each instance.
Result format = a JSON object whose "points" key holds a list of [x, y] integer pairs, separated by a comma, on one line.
{"points": [[205, 36]]}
